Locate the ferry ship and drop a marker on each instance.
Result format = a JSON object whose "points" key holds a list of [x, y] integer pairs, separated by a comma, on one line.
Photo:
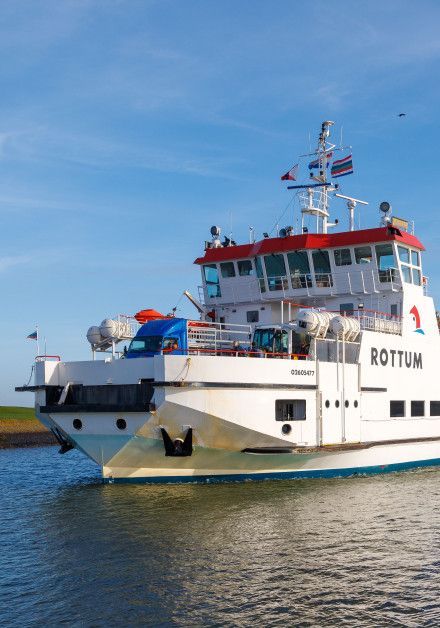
{"points": [[313, 354]]}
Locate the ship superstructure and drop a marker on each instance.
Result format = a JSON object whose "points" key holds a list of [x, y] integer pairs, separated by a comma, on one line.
{"points": [[314, 355]]}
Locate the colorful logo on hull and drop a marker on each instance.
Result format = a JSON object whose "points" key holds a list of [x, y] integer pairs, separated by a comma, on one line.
{"points": [[415, 312]]}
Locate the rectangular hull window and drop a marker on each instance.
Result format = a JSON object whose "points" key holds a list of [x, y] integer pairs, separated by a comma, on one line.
{"points": [[290, 409], [252, 316], [417, 408], [346, 309], [434, 408], [397, 409]]}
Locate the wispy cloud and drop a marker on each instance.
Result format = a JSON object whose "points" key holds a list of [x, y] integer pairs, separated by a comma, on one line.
{"points": [[7, 262], [42, 144]]}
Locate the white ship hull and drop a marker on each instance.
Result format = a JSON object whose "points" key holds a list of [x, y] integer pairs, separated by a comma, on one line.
{"points": [[141, 459], [209, 465], [229, 405]]}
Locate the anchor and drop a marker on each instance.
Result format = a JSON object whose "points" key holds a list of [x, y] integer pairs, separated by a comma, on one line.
{"points": [[66, 445], [177, 447]]}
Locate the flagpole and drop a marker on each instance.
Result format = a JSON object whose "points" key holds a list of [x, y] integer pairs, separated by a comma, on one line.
{"points": [[38, 340]]}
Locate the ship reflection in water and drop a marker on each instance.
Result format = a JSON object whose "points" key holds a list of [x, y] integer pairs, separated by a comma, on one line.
{"points": [[361, 551]]}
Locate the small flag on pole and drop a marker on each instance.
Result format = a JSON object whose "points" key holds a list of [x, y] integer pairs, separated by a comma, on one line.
{"points": [[341, 167], [33, 335], [315, 163], [291, 175]]}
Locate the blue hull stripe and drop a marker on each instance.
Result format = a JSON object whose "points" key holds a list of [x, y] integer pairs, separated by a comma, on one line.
{"points": [[279, 475]]}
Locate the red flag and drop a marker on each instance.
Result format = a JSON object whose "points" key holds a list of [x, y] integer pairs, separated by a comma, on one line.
{"points": [[291, 175]]}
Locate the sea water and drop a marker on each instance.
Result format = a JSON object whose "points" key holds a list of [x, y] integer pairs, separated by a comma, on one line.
{"points": [[357, 552]]}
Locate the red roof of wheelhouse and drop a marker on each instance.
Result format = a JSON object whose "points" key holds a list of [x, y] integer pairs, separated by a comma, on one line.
{"points": [[309, 241]]}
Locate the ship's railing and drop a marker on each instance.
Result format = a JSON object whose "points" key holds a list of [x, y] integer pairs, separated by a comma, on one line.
{"points": [[359, 281], [379, 321], [323, 280], [334, 350], [277, 282], [313, 199], [301, 281], [425, 284], [242, 352], [47, 358], [216, 335]]}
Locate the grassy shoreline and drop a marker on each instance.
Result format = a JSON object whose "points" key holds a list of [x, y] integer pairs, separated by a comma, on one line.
{"points": [[17, 412], [20, 428]]}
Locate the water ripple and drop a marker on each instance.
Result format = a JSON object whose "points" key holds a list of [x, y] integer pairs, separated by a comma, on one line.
{"points": [[75, 552]]}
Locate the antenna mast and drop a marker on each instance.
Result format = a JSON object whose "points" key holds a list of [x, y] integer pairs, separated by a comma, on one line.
{"points": [[317, 204], [323, 161]]}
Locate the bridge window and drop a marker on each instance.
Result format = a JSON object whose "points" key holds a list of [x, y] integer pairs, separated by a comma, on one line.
{"points": [[410, 262], [406, 273], [276, 271], [403, 254], [385, 262], [321, 264], [260, 273], [342, 257], [299, 269], [227, 269], [417, 276], [244, 267], [212, 280], [363, 255], [290, 410]]}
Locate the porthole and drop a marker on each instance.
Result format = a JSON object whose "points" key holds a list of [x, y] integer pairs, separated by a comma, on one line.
{"points": [[77, 424], [327, 404], [355, 403], [337, 403], [121, 424], [347, 403], [286, 429]]}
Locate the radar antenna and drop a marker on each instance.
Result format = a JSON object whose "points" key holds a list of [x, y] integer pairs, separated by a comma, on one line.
{"points": [[351, 204]]}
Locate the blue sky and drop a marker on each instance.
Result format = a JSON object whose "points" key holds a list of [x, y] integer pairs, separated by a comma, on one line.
{"points": [[128, 128]]}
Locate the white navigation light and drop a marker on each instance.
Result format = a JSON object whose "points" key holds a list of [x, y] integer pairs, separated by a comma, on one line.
{"points": [[385, 207]]}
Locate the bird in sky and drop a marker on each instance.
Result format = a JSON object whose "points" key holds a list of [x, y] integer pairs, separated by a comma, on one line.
{"points": [[401, 115]]}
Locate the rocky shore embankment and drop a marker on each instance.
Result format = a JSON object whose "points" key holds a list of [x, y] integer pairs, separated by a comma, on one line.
{"points": [[24, 433]]}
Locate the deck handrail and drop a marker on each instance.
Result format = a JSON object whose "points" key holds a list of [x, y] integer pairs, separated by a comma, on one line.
{"points": [[44, 358]]}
